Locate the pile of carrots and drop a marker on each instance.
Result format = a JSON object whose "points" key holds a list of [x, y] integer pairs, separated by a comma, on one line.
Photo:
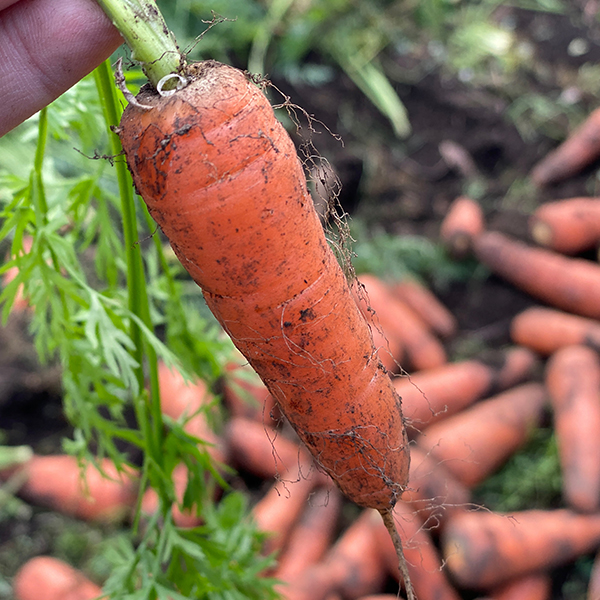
{"points": [[464, 420]]}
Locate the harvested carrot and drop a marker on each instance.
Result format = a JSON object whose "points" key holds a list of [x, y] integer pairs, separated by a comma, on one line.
{"points": [[56, 482], [567, 226], [312, 535], [222, 178], [580, 149], [535, 586], [245, 395], [483, 549], [573, 382], [427, 306], [399, 322], [260, 449], [47, 578], [432, 491], [435, 394], [571, 284], [475, 442], [424, 563], [463, 222]]}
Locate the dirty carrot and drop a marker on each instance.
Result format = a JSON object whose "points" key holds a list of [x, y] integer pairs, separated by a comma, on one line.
{"points": [[399, 322], [56, 482], [222, 178], [570, 284], [573, 383], [47, 578], [483, 549], [435, 394], [546, 330], [433, 492], [312, 535], [535, 586], [580, 149], [476, 441], [567, 226], [463, 222], [427, 306], [424, 562]]}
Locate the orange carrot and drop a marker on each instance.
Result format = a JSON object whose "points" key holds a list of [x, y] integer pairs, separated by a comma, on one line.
{"points": [[424, 563], [47, 578], [570, 284], [279, 509], [222, 178], [260, 449], [435, 394], [483, 549], [56, 482], [427, 306], [312, 535], [573, 382], [463, 222], [473, 443], [545, 330], [567, 226], [245, 395], [535, 586], [399, 322], [581, 148], [432, 491]]}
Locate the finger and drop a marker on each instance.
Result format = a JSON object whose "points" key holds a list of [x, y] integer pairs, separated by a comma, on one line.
{"points": [[47, 46]]}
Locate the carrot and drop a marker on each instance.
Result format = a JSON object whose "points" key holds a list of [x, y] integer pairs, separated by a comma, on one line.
{"points": [[424, 563], [312, 535], [581, 148], [351, 568], [573, 382], [546, 330], [569, 284], [463, 222], [47, 578], [473, 443], [483, 549], [567, 226], [56, 482], [245, 395], [535, 586], [427, 306], [432, 491], [260, 449], [399, 322], [435, 394], [222, 178]]}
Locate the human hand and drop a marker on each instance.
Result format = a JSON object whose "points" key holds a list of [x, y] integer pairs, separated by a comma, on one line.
{"points": [[46, 47]]}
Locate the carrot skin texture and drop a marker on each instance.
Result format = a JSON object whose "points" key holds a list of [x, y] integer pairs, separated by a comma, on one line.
{"points": [[427, 306], [581, 148], [570, 284], [463, 222], [536, 586], [573, 382], [221, 177], [546, 330], [47, 578], [55, 482], [475, 442], [567, 226], [484, 549], [424, 563]]}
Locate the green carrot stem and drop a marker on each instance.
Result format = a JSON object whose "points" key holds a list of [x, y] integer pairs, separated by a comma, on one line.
{"points": [[145, 32]]}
